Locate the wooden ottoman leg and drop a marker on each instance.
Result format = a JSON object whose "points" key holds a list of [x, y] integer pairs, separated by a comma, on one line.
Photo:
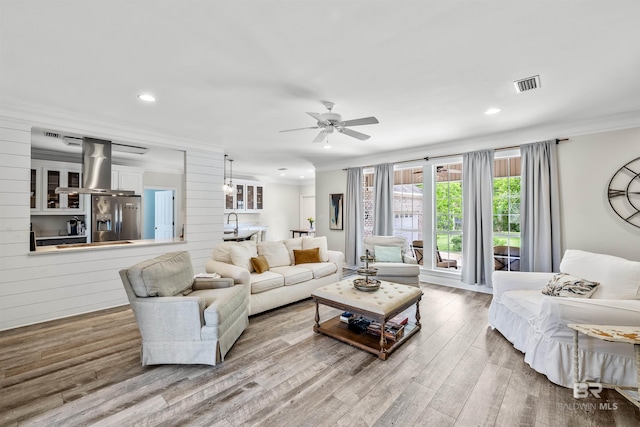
{"points": [[383, 341], [316, 327]]}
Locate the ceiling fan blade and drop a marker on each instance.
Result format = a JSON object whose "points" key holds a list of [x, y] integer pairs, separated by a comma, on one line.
{"points": [[319, 118], [320, 136], [353, 133], [290, 130], [362, 121]]}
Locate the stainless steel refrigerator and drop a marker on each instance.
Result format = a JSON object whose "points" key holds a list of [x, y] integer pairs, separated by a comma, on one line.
{"points": [[115, 218]]}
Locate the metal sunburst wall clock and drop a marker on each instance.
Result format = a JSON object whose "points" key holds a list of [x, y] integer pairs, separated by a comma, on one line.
{"points": [[624, 192]]}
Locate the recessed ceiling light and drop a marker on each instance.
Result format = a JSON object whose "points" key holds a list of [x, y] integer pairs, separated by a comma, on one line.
{"points": [[146, 97], [301, 176], [283, 174], [492, 111], [326, 147]]}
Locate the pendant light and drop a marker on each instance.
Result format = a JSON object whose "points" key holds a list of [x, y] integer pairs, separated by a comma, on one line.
{"points": [[228, 188]]}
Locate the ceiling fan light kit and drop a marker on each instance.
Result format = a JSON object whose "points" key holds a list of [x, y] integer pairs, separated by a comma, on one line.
{"points": [[331, 121]]}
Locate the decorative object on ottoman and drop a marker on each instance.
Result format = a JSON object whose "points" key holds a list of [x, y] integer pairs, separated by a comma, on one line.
{"points": [[367, 284]]}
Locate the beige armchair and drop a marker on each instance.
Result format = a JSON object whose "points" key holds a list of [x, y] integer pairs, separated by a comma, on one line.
{"points": [[394, 259], [182, 320]]}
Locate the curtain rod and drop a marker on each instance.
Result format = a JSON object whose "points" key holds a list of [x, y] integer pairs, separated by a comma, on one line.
{"points": [[459, 154]]}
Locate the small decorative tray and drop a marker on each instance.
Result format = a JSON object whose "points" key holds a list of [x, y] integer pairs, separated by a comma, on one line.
{"points": [[370, 271], [366, 285]]}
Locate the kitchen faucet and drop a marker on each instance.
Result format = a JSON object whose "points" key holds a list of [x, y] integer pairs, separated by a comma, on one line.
{"points": [[235, 230]]}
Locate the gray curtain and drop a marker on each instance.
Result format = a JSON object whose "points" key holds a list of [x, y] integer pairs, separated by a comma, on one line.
{"points": [[354, 220], [540, 208], [477, 222], [383, 200]]}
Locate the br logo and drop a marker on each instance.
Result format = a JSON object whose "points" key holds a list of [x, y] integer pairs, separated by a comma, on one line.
{"points": [[581, 390]]}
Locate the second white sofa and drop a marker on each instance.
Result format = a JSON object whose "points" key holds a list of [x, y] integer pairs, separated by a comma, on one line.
{"points": [[284, 281], [536, 324]]}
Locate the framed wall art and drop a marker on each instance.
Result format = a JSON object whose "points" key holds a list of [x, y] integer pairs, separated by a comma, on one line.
{"points": [[335, 211]]}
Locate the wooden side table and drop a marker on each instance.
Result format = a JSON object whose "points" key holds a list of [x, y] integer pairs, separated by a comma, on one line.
{"points": [[623, 334]]}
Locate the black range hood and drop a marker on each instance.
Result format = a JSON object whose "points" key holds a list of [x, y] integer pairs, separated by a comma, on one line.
{"points": [[96, 170]]}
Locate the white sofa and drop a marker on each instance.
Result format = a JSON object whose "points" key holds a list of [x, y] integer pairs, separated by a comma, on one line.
{"points": [[285, 281], [536, 324]]}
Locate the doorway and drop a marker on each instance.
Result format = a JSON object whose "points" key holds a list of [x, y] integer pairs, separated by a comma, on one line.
{"points": [[159, 213], [307, 210]]}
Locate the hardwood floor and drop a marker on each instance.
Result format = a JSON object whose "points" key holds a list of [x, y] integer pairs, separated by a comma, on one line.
{"points": [[456, 371]]}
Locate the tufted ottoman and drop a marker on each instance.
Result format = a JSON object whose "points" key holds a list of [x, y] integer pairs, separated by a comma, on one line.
{"points": [[380, 306]]}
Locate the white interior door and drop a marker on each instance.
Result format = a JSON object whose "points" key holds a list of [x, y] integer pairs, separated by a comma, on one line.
{"points": [[164, 215], [307, 209]]}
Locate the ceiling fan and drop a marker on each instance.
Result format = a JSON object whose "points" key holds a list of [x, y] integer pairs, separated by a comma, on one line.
{"points": [[331, 121]]}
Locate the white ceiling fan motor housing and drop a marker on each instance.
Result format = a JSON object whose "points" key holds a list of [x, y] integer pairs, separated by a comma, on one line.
{"points": [[334, 118]]}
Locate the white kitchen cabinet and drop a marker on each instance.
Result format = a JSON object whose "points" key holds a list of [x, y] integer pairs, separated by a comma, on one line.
{"points": [[35, 199], [59, 174], [124, 178], [248, 197]]}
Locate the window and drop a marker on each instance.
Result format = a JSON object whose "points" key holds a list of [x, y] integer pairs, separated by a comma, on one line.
{"points": [[506, 214], [448, 216], [407, 203], [367, 195]]}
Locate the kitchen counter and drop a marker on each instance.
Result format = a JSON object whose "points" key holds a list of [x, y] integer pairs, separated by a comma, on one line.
{"points": [[77, 247]]}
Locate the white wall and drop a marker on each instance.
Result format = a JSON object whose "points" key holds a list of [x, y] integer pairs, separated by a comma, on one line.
{"points": [[38, 287], [281, 210], [586, 164], [330, 182]]}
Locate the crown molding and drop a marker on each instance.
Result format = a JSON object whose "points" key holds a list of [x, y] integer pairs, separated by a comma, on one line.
{"points": [[518, 136]]}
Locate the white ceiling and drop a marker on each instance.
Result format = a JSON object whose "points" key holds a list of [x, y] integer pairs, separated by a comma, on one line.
{"points": [[234, 73]]}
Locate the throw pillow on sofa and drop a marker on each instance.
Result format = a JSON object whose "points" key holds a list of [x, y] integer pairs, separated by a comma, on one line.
{"points": [[276, 253], [222, 252], [317, 242], [291, 244], [387, 253], [565, 285], [260, 264], [306, 256], [241, 256]]}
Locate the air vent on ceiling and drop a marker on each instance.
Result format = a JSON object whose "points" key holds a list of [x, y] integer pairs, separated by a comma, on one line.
{"points": [[52, 134], [529, 83]]}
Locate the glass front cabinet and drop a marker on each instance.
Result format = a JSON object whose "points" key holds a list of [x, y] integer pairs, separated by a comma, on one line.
{"points": [[247, 197], [54, 175], [35, 197]]}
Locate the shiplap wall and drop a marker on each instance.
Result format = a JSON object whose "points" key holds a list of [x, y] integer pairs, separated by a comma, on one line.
{"points": [[36, 288]]}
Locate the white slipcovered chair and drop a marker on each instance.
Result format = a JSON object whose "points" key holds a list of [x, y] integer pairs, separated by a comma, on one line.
{"points": [[394, 259], [184, 320]]}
